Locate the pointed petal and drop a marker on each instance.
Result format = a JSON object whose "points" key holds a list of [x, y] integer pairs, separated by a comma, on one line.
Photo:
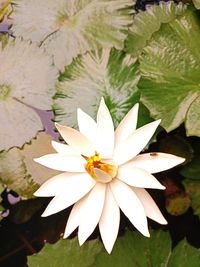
{"points": [[155, 162], [105, 132], [109, 221], [76, 140], [138, 178], [127, 126], [75, 217], [130, 205], [101, 176], [151, 209], [62, 162], [87, 126], [77, 187], [58, 183], [63, 148], [92, 212], [135, 143]]}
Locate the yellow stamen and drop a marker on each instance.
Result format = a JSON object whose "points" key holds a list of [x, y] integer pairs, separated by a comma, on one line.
{"points": [[96, 162]]}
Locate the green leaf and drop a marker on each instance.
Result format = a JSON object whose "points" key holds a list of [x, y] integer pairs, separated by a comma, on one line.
{"points": [[193, 115], [147, 22], [193, 190], [170, 66], [184, 255], [130, 250], [134, 250], [108, 73], [66, 253], [69, 28]]}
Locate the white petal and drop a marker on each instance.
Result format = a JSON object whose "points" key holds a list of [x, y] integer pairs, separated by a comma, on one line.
{"points": [[57, 184], [75, 217], [105, 132], [87, 125], [77, 187], [138, 178], [155, 162], [151, 209], [62, 162], [127, 126], [102, 176], [134, 143], [130, 205], [92, 212], [76, 140], [63, 148], [109, 221]]}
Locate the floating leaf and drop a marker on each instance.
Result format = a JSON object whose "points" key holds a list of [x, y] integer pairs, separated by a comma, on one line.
{"points": [[13, 173], [108, 73], [69, 28], [193, 190], [19, 172], [184, 255], [170, 66], [27, 79], [130, 250], [147, 22], [136, 250], [66, 253]]}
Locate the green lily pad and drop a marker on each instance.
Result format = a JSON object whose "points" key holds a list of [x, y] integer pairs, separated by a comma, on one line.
{"points": [[193, 190], [66, 253], [69, 28], [109, 73], [130, 250], [147, 22], [170, 66], [134, 250], [184, 255]]}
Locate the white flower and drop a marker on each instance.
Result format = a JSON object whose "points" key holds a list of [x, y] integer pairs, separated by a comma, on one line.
{"points": [[27, 79], [103, 174]]}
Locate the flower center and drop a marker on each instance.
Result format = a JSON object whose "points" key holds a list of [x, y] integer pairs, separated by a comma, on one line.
{"points": [[96, 162], [4, 92]]}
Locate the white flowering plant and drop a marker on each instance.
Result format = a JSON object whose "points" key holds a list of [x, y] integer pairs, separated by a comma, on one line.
{"points": [[99, 147]]}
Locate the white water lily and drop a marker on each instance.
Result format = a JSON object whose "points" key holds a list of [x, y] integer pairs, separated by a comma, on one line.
{"points": [[103, 173]]}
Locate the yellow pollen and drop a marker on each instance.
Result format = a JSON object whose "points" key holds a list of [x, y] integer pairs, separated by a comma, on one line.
{"points": [[95, 162]]}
